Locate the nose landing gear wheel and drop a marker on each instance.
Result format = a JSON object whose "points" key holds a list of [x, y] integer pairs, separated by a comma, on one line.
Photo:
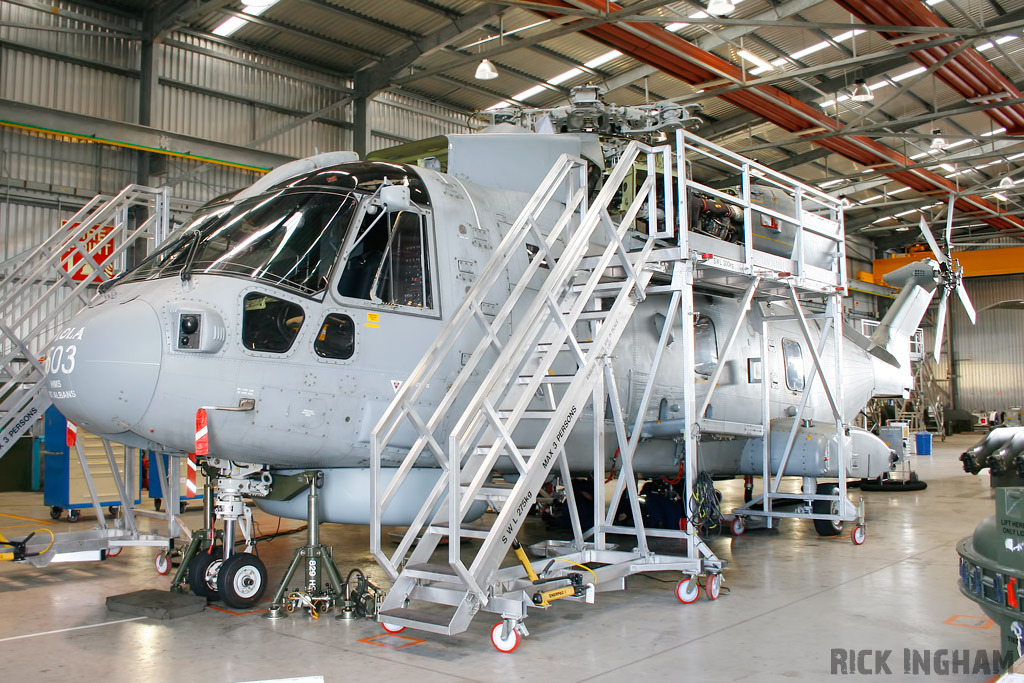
{"points": [[391, 628], [241, 581], [507, 644], [688, 590], [827, 527], [202, 573], [714, 586]]}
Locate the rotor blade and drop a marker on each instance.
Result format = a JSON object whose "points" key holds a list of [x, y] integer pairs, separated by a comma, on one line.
{"points": [[961, 292], [931, 241], [949, 221], [940, 325]]}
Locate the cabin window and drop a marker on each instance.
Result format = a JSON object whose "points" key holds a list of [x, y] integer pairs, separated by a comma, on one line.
{"points": [[270, 324], [389, 261], [705, 346], [793, 356], [337, 337]]}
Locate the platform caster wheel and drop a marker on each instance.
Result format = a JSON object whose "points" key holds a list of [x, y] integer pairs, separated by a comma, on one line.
{"points": [[74, 515], [55, 512], [688, 590], [242, 580], [114, 510], [713, 588], [163, 564], [506, 644], [115, 551], [738, 526], [158, 503], [858, 535], [390, 628], [202, 573]]}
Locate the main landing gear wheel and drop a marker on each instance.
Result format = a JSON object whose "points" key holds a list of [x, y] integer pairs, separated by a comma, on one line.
{"points": [[858, 535], [738, 526], [242, 580], [688, 590], [827, 527], [714, 586], [506, 644], [390, 628], [163, 564], [203, 571]]}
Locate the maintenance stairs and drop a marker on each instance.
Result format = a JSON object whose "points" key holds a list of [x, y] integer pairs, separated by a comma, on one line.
{"points": [[537, 360], [42, 289]]}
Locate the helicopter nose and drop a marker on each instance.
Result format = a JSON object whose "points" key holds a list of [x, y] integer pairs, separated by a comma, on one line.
{"points": [[102, 370]]}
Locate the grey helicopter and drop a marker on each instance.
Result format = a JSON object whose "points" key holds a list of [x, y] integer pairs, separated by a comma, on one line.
{"points": [[272, 330]]}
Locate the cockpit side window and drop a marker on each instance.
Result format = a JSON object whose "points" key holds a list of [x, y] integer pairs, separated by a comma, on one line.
{"points": [[337, 338], [389, 261], [705, 346], [793, 356], [270, 324]]}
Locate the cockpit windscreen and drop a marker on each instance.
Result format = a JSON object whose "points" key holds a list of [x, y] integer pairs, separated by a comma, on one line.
{"points": [[289, 238]]}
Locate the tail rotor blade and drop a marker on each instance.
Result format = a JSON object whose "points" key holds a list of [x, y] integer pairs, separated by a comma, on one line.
{"points": [[940, 325], [931, 241], [961, 292]]}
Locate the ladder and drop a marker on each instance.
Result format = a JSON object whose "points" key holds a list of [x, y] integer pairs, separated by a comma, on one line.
{"points": [[42, 289], [535, 364]]}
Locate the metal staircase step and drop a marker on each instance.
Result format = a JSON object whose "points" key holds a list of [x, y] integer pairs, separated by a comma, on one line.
{"points": [[464, 531], [529, 414], [593, 315], [430, 571], [547, 379], [430, 621]]}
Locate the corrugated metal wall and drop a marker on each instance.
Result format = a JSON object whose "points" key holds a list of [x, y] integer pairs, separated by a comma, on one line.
{"points": [[988, 358]]}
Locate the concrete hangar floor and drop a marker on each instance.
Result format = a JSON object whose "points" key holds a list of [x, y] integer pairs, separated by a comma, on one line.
{"points": [[791, 602]]}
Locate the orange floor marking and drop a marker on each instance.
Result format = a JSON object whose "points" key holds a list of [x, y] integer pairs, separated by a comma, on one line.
{"points": [[391, 641], [971, 621], [28, 519]]}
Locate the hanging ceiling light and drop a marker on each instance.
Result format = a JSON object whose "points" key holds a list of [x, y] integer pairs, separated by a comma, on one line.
{"points": [[938, 142], [861, 91], [1007, 181], [486, 70], [721, 8]]}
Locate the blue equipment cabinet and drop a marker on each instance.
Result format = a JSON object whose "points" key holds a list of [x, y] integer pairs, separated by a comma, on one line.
{"points": [[64, 484]]}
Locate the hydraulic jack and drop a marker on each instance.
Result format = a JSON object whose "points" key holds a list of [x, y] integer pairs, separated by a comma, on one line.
{"points": [[322, 585]]}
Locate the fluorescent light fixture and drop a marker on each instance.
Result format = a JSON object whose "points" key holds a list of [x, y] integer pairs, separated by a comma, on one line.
{"points": [[830, 183], [529, 92], [252, 8], [563, 77], [1000, 196], [676, 26], [755, 60], [948, 167], [861, 92], [721, 8], [499, 105], [602, 59], [843, 37], [997, 131], [908, 74], [486, 71]]}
